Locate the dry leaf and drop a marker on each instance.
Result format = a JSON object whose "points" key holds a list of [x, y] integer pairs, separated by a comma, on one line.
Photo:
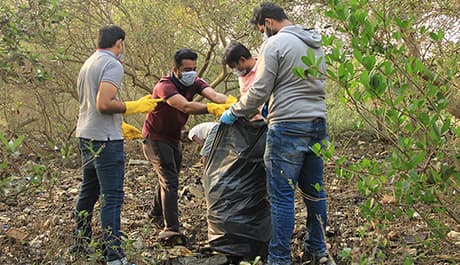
{"points": [[388, 199], [16, 234]]}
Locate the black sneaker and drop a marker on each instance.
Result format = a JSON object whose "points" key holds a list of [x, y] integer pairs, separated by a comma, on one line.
{"points": [[172, 238], [318, 260]]}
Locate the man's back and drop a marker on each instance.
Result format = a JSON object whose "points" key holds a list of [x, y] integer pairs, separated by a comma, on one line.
{"points": [[92, 124]]}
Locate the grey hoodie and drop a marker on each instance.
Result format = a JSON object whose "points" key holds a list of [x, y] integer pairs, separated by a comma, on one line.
{"points": [[291, 99]]}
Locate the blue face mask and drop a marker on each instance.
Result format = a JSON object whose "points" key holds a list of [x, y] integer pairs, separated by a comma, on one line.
{"points": [[120, 56], [238, 72], [188, 78]]}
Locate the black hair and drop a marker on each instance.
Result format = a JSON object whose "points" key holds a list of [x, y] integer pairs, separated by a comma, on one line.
{"points": [[108, 36], [234, 51], [182, 54], [267, 10]]}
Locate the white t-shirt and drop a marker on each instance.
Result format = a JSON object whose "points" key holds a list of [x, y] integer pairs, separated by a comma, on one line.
{"points": [[201, 130]]}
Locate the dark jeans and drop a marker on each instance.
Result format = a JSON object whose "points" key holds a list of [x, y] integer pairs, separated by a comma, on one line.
{"points": [[289, 163], [103, 175], [166, 159]]}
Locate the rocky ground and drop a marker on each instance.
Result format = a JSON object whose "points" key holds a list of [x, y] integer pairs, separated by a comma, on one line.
{"points": [[37, 224]]}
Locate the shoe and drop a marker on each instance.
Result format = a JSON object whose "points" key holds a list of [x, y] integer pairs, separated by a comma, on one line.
{"points": [[122, 261], [172, 238], [318, 260]]}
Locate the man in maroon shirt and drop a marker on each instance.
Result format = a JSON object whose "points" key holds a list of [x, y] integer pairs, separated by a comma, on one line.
{"points": [[162, 131]]}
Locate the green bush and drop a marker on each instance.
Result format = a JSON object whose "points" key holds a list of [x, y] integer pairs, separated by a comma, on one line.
{"points": [[403, 95]]}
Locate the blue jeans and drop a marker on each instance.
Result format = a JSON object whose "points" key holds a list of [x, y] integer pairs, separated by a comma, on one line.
{"points": [[290, 162], [103, 175]]}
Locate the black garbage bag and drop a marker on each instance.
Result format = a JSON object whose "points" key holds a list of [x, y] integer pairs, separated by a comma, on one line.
{"points": [[238, 211]]}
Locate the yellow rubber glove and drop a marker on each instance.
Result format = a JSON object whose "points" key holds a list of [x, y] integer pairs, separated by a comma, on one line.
{"points": [[231, 100], [130, 132], [217, 109], [142, 105]]}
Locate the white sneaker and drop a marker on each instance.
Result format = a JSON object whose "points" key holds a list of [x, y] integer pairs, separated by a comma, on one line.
{"points": [[122, 261]]}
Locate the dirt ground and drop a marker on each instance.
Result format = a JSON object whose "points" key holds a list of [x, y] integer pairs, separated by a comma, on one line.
{"points": [[37, 225]]}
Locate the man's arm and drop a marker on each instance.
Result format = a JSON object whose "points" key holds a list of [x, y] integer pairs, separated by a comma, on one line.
{"points": [[106, 101], [213, 95], [198, 140], [190, 107]]}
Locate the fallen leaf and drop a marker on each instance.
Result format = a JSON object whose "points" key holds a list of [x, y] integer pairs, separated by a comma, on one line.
{"points": [[388, 199], [16, 234]]}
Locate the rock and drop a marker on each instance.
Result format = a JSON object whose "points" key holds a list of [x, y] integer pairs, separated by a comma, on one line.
{"points": [[455, 237]]}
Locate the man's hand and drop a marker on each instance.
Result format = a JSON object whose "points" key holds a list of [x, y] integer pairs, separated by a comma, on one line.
{"points": [[228, 117], [217, 109], [130, 132], [143, 105], [231, 100]]}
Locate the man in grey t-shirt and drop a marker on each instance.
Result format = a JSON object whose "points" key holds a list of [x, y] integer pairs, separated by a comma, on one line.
{"points": [[99, 129]]}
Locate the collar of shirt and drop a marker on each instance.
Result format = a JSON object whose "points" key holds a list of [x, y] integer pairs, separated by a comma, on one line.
{"points": [[107, 52]]}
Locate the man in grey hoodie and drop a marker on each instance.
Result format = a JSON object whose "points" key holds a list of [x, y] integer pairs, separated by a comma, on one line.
{"points": [[296, 121]]}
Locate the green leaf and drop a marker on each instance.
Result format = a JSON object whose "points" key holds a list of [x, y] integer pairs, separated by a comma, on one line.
{"points": [[311, 57], [331, 74], [402, 23], [358, 55], [387, 68], [335, 54], [345, 254], [3, 139], [424, 118], [318, 187], [343, 73], [18, 141], [397, 35], [299, 72], [364, 78], [419, 66], [423, 30], [328, 40], [410, 212], [307, 61], [446, 126], [316, 148], [409, 69], [369, 62], [437, 36]]}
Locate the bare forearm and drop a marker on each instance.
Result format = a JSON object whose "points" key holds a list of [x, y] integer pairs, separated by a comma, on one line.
{"points": [[195, 108], [220, 98], [110, 107]]}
